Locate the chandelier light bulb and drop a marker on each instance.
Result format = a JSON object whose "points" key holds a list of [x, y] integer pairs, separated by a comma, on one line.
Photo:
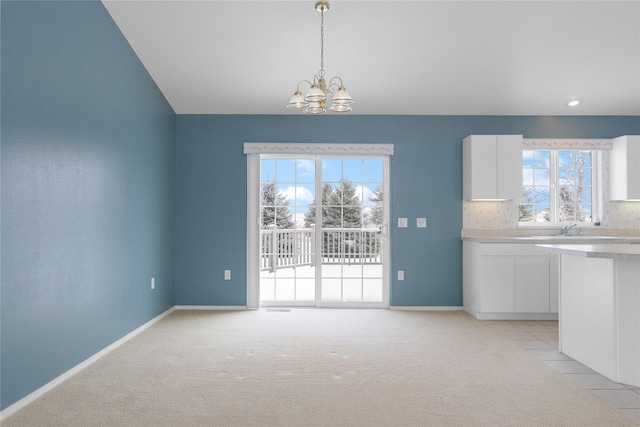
{"points": [[297, 101]]}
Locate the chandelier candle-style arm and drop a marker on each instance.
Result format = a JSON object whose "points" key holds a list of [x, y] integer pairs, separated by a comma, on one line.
{"points": [[315, 101]]}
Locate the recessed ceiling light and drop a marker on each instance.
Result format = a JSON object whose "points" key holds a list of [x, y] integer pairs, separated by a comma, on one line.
{"points": [[573, 102]]}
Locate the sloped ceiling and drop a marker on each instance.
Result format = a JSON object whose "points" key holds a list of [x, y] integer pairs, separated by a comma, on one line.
{"points": [[395, 57]]}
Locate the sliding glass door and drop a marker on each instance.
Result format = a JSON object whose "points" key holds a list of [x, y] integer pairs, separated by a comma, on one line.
{"points": [[323, 234]]}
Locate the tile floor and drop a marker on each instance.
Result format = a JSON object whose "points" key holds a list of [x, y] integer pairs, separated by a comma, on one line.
{"points": [[540, 338]]}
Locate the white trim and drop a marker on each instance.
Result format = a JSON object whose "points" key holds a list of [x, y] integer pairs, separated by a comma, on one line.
{"points": [[253, 231], [12, 409], [426, 308], [212, 307], [516, 316], [567, 143], [320, 149]]}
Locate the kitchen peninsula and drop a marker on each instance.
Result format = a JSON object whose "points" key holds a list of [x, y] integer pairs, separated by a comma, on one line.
{"points": [[599, 307]]}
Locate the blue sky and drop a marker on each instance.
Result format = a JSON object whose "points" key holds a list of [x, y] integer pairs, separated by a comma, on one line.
{"points": [[296, 177]]}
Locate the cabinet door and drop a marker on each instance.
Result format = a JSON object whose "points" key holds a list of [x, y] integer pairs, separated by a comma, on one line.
{"points": [[532, 285], [509, 153], [498, 275], [480, 168], [554, 280], [624, 174]]}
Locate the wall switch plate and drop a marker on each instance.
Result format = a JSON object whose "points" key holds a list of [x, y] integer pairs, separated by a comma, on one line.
{"points": [[421, 222], [400, 274], [403, 222], [227, 275], [153, 283]]}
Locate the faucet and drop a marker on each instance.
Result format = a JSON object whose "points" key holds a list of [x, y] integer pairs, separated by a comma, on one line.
{"points": [[567, 228]]}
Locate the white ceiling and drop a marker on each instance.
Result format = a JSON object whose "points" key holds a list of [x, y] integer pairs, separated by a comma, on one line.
{"points": [[395, 57]]}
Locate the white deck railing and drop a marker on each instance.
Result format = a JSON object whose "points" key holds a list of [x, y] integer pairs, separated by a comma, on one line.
{"points": [[281, 248]]}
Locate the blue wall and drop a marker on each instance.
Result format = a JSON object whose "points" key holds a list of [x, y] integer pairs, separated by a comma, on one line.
{"points": [[88, 191], [426, 181], [98, 175]]}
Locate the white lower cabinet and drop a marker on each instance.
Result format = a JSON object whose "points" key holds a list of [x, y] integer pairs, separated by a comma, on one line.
{"points": [[509, 281]]}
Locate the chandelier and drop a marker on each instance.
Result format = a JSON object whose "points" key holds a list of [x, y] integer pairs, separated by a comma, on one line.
{"points": [[315, 101]]}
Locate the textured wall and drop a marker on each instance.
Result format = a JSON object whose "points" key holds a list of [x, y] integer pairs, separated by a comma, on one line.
{"points": [[426, 181], [88, 191]]}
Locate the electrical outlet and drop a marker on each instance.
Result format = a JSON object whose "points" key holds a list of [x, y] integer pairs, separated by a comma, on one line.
{"points": [[400, 274], [421, 222], [153, 283], [227, 275], [403, 222]]}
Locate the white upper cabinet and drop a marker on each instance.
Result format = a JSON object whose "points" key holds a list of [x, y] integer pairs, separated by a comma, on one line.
{"points": [[624, 169], [492, 167]]}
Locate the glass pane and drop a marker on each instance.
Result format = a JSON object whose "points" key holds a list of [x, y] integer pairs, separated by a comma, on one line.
{"points": [[305, 289], [525, 212], [285, 170], [352, 290], [331, 270], [586, 213], [285, 290], [541, 213], [331, 290], [541, 177], [331, 170], [542, 159], [352, 170], [284, 194], [306, 170], [331, 217], [267, 170], [542, 195], [332, 194], [566, 159], [372, 290], [267, 289], [527, 176], [352, 270], [527, 159], [373, 170], [304, 195]]}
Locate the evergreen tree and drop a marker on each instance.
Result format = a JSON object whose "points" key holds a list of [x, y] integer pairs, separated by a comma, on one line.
{"points": [[525, 208], [568, 211], [352, 206], [310, 217], [374, 216], [341, 207], [275, 208]]}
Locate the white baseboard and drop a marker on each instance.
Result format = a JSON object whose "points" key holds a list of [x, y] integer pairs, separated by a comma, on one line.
{"points": [[211, 307], [516, 316], [425, 308], [10, 410]]}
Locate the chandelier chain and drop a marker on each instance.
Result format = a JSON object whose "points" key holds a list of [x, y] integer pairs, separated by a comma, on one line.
{"points": [[321, 73]]}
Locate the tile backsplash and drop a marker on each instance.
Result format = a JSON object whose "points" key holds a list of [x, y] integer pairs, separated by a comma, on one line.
{"points": [[504, 215]]}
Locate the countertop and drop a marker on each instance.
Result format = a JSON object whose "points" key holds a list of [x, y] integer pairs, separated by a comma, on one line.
{"points": [[592, 236], [556, 240], [609, 250]]}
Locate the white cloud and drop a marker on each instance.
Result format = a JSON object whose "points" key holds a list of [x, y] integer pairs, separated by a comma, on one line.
{"points": [[306, 168], [300, 194], [366, 192]]}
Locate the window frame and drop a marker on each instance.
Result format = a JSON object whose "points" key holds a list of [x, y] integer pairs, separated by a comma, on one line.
{"points": [[596, 188]]}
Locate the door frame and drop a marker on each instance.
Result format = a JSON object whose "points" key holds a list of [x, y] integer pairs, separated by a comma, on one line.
{"points": [[254, 151]]}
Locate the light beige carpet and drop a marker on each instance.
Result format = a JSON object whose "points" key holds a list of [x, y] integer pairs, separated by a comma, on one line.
{"points": [[314, 367]]}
